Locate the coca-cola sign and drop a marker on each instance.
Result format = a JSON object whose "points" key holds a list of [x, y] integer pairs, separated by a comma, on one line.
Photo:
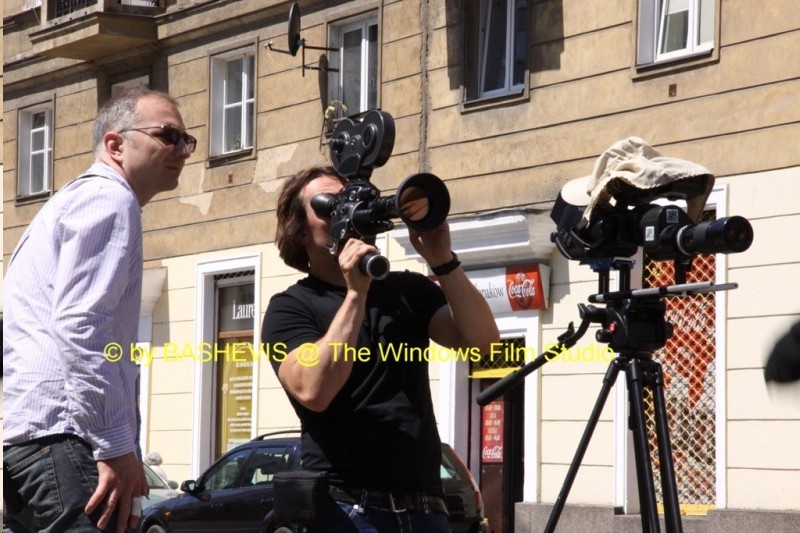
{"points": [[492, 454], [524, 288], [492, 435], [509, 289]]}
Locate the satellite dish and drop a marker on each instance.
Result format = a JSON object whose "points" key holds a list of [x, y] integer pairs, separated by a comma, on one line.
{"points": [[294, 29], [296, 42]]}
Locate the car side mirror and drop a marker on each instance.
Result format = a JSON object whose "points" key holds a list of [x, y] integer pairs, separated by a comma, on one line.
{"points": [[172, 484], [189, 486]]}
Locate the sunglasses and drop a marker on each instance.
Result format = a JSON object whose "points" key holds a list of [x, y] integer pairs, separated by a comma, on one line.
{"points": [[169, 134]]}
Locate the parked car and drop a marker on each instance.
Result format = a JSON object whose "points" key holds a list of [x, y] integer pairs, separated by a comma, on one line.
{"points": [[159, 489], [235, 493], [461, 494]]}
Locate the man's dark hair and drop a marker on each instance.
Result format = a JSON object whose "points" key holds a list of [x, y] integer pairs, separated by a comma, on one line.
{"points": [[292, 216]]}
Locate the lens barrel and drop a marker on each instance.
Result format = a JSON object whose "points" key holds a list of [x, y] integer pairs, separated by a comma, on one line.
{"points": [[725, 235]]}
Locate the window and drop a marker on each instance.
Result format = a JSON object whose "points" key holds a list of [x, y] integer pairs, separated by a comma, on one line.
{"points": [[34, 173], [497, 48], [232, 102], [690, 360], [265, 464], [234, 366], [355, 84], [139, 82], [674, 29], [224, 474]]}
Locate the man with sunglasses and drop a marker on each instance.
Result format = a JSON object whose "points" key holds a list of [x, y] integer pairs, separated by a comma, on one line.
{"points": [[71, 309]]}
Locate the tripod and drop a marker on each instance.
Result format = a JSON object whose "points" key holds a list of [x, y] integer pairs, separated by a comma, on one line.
{"points": [[634, 325]]}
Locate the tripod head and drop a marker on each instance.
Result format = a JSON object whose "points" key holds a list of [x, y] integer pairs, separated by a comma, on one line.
{"points": [[633, 322]]}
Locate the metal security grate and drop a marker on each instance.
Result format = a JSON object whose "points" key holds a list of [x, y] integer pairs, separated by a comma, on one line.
{"points": [[688, 362], [239, 274], [65, 7], [511, 354]]}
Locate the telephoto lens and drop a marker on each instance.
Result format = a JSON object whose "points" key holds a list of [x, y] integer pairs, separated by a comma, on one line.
{"points": [[725, 235]]}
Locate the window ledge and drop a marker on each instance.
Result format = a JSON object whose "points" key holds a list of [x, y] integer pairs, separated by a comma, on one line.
{"points": [[33, 198], [488, 102], [230, 157], [670, 66]]}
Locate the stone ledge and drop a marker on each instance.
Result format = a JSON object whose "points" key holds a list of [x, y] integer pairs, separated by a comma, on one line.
{"points": [[532, 518]]}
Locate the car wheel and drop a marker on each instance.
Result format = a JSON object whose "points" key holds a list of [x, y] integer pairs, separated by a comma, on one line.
{"points": [[155, 528]]}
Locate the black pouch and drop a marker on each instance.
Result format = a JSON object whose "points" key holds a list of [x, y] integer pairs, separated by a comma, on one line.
{"points": [[301, 497]]}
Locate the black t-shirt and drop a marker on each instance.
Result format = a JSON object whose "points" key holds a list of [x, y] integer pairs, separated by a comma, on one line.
{"points": [[379, 432]]}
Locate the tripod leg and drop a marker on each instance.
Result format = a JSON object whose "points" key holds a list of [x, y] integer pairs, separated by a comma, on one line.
{"points": [[669, 485], [608, 382], [644, 466]]}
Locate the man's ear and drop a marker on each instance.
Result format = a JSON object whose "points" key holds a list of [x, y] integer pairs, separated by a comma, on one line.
{"points": [[112, 141]]}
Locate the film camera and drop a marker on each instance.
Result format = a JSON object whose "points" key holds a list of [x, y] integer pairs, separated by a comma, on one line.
{"points": [[358, 211], [588, 228]]}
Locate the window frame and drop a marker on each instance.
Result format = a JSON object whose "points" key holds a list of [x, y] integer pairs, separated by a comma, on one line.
{"points": [[476, 44], [218, 70], [369, 68], [650, 33], [509, 86], [25, 131]]}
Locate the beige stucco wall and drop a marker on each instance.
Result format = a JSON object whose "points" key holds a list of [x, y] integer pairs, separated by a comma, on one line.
{"points": [[763, 424]]}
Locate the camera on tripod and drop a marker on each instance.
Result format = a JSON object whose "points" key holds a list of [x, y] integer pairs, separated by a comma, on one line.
{"points": [[665, 232], [601, 220], [358, 211], [615, 211]]}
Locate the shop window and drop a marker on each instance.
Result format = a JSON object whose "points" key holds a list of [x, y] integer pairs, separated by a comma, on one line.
{"points": [[234, 361]]}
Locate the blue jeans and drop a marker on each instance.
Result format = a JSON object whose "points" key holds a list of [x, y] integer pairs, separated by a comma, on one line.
{"points": [[347, 518], [47, 483]]}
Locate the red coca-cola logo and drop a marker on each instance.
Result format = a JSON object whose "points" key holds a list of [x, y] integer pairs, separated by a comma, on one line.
{"points": [[524, 289], [492, 453]]}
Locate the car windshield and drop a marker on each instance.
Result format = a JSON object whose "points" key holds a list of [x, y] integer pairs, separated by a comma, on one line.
{"points": [[153, 481], [451, 469]]}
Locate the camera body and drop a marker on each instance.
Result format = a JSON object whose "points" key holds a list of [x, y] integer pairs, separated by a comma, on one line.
{"points": [[664, 231], [358, 211]]}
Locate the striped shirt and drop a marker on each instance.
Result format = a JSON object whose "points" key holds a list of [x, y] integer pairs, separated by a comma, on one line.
{"points": [[72, 289]]}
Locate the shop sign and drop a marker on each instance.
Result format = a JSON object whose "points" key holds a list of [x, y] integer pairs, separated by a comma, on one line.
{"points": [[510, 289], [492, 432]]}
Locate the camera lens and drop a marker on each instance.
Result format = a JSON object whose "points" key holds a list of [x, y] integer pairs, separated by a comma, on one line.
{"points": [[725, 235]]}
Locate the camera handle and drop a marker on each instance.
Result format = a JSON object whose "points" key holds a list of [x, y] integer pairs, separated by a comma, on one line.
{"points": [[372, 264], [375, 266]]}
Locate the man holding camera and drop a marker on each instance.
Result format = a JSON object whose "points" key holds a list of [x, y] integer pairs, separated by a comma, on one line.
{"points": [[353, 372]]}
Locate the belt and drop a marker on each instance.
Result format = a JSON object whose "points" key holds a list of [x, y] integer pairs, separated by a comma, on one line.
{"points": [[389, 501]]}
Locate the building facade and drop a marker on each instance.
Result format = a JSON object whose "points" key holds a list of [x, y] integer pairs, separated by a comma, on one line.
{"points": [[506, 102]]}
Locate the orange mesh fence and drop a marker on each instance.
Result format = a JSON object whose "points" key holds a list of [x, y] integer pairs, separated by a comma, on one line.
{"points": [[688, 361]]}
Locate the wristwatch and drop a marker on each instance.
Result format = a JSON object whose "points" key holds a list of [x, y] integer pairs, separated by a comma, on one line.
{"points": [[448, 267]]}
